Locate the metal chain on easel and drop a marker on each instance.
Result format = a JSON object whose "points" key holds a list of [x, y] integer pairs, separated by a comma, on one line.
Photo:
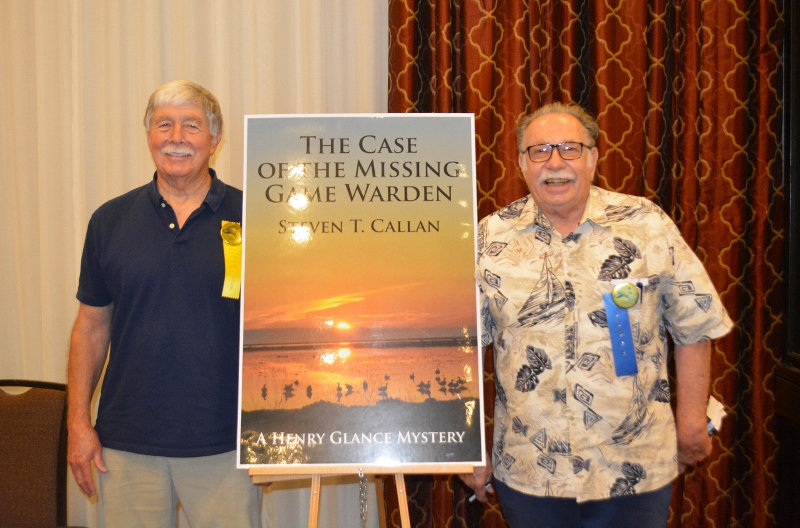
{"points": [[362, 483]]}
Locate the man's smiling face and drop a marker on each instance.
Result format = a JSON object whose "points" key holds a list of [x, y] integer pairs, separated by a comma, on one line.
{"points": [[559, 187], [180, 141]]}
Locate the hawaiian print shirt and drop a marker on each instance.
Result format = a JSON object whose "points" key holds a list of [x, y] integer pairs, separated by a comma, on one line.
{"points": [[565, 424]]}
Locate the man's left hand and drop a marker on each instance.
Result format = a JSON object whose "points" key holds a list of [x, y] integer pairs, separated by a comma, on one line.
{"points": [[694, 444], [692, 373]]}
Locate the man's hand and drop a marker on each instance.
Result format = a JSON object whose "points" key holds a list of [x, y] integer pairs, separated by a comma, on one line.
{"points": [[477, 481], [83, 448], [694, 444], [693, 374], [87, 354]]}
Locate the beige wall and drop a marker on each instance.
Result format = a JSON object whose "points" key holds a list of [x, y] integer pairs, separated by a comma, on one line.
{"points": [[75, 76]]}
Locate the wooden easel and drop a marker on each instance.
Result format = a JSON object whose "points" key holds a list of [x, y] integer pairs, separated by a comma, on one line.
{"points": [[267, 474]]}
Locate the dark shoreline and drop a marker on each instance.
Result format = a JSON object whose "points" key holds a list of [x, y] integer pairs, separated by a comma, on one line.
{"points": [[428, 432], [393, 343]]}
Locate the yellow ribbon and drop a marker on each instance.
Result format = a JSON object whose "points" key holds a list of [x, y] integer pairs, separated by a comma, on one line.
{"points": [[231, 233]]}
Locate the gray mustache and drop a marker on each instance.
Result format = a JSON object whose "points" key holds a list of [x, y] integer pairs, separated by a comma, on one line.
{"points": [[172, 150]]}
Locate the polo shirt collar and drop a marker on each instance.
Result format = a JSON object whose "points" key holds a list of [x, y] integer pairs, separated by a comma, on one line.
{"points": [[213, 198], [216, 193]]}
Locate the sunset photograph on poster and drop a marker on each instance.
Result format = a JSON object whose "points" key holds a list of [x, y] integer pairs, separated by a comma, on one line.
{"points": [[359, 338]]}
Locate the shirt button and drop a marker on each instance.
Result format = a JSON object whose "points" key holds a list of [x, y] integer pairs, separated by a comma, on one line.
{"points": [[172, 226], [163, 204]]}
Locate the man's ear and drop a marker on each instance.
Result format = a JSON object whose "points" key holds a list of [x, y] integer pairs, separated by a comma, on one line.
{"points": [[592, 156], [521, 161], [215, 140]]}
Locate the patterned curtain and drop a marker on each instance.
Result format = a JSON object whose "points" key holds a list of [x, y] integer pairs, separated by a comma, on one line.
{"points": [[688, 95]]}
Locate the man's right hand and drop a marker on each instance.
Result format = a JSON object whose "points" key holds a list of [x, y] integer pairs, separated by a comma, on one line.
{"points": [[87, 355], [83, 448], [477, 481]]}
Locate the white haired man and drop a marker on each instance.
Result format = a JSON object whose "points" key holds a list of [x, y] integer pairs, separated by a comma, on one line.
{"points": [[158, 295], [579, 288]]}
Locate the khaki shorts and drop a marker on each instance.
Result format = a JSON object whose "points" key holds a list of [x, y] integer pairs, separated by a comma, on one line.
{"points": [[144, 490]]}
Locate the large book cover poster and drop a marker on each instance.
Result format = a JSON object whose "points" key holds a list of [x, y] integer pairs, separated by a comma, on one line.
{"points": [[359, 305]]}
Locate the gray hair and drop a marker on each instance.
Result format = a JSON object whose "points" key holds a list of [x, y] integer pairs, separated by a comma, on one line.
{"points": [[576, 111], [179, 93]]}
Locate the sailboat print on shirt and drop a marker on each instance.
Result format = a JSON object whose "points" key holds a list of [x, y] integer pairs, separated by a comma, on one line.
{"points": [[547, 301], [636, 421]]}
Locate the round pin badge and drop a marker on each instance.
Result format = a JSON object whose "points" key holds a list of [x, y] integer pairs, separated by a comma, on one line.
{"points": [[625, 295], [231, 233]]}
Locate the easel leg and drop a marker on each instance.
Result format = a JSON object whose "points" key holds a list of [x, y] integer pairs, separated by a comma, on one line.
{"points": [[381, 501], [313, 511], [402, 500]]}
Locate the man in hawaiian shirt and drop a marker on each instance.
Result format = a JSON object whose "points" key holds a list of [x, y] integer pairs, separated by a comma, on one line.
{"points": [[579, 288]]}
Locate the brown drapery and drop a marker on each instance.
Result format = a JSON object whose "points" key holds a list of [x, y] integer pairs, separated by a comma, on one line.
{"points": [[688, 94]]}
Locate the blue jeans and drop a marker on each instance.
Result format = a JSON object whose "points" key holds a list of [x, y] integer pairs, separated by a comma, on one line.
{"points": [[644, 510]]}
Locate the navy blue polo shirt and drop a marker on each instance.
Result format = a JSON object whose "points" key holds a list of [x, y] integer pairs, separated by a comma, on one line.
{"points": [[171, 384]]}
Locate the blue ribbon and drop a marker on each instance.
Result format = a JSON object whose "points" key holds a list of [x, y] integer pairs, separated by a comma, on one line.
{"points": [[619, 327]]}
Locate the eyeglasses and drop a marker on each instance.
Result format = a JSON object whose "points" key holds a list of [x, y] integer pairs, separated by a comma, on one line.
{"points": [[568, 150]]}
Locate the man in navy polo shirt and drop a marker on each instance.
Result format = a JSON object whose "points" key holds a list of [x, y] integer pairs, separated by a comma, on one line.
{"points": [[159, 298]]}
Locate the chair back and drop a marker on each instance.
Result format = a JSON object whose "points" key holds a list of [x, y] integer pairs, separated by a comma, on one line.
{"points": [[33, 454]]}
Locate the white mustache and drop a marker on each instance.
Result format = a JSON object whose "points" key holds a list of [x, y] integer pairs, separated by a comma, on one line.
{"points": [[177, 150], [561, 174]]}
